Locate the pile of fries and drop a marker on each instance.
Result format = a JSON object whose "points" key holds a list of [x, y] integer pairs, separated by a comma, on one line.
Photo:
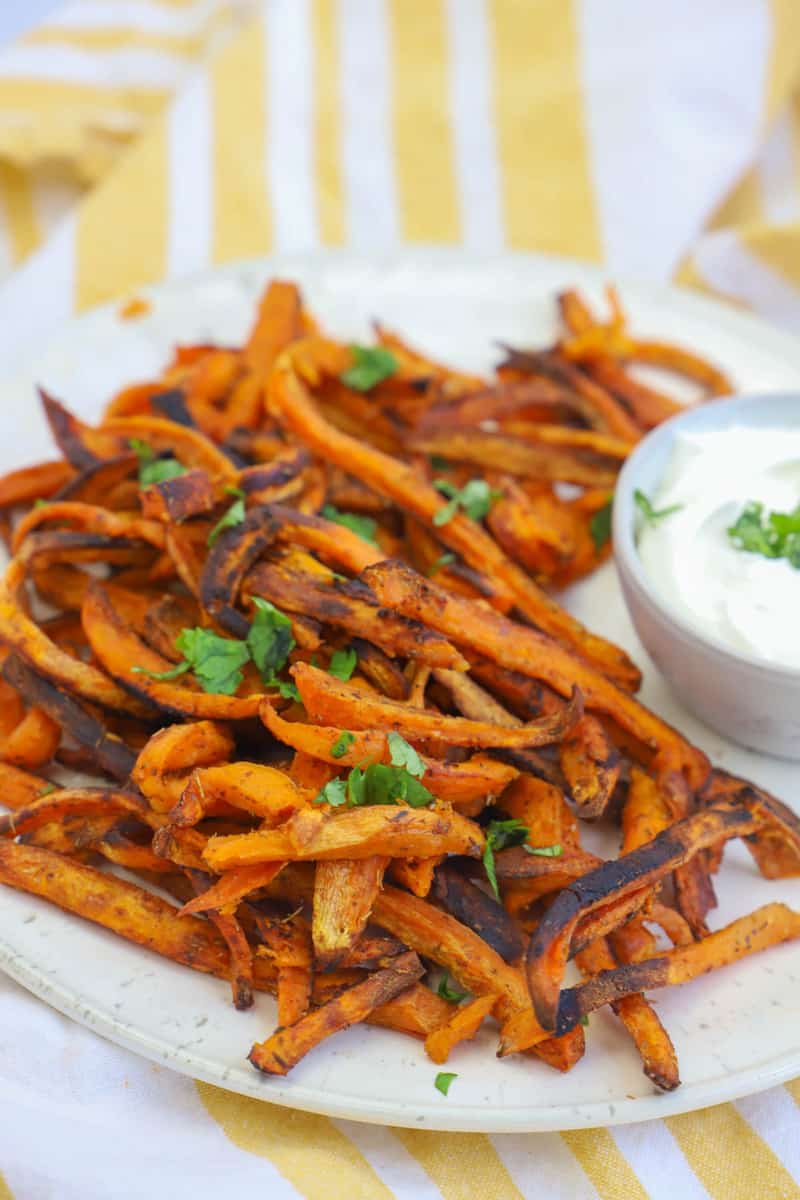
{"points": [[290, 607]]}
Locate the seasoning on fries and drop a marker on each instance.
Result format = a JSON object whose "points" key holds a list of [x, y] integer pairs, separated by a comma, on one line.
{"points": [[292, 606]]}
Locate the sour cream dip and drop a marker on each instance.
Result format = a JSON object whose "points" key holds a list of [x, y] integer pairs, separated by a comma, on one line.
{"points": [[747, 601]]}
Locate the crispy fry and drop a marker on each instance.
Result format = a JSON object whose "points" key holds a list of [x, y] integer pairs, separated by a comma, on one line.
{"points": [[591, 765], [278, 1054], [359, 833], [352, 707], [461, 1026], [263, 791], [344, 893]]}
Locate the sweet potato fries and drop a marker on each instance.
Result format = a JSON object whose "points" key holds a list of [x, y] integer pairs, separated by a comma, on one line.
{"points": [[290, 607]]}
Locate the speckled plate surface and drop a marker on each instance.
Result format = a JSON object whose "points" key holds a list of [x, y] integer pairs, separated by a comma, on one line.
{"points": [[737, 1031]]}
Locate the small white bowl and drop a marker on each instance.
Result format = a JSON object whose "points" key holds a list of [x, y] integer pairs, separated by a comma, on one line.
{"points": [[754, 702]]}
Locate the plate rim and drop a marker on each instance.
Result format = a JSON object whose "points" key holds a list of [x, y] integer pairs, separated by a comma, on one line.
{"points": [[452, 1118]]}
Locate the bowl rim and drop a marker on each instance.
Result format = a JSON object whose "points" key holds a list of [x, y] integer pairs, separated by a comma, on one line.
{"points": [[710, 416]]}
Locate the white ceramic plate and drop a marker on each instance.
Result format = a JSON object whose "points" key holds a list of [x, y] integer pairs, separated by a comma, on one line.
{"points": [[736, 1031]]}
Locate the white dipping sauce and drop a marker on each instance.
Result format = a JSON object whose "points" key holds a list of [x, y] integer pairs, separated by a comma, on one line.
{"points": [[749, 602]]}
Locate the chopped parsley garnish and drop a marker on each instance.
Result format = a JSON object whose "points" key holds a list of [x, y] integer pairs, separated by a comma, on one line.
{"points": [[403, 755], [333, 793], [475, 500], [444, 560], [499, 835], [217, 662], [47, 789], [554, 851], [439, 463], [443, 1080], [153, 469], [371, 365], [365, 527], [40, 503], [773, 535], [584, 1019], [380, 783], [233, 516], [342, 743], [343, 663], [600, 524], [652, 515], [450, 993]]}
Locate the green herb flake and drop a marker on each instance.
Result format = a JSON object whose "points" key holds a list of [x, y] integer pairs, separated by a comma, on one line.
{"points": [[229, 520], [172, 673], [342, 743], [371, 365], [334, 793], [439, 463], [444, 560], [343, 663], [365, 527], [450, 993], [554, 851], [216, 661], [600, 524], [584, 1020], [773, 535], [152, 469], [651, 515], [270, 639], [443, 1080], [287, 688], [40, 503], [475, 500], [47, 789], [402, 754], [380, 783], [499, 835]]}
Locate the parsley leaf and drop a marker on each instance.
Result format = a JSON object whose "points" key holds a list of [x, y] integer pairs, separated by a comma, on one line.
{"points": [[443, 1080], [173, 673], [554, 851], [403, 755], [600, 524], [500, 834], [439, 462], [774, 536], [270, 639], [333, 793], [153, 469], [444, 560], [449, 993], [343, 663], [365, 527], [232, 517], [584, 1019], [287, 688], [652, 515], [380, 783], [342, 743], [216, 661], [475, 500], [47, 789], [371, 365], [40, 503]]}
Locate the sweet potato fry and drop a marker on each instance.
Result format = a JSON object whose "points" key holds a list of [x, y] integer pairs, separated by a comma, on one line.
{"points": [[33, 742], [392, 478], [594, 464], [478, 911], [190, 446], [27, 484], [461, 1026], [279, 1053], [767, 926], [25, 636], [263, 791], [232, 887], [351, 707], [126, 657], [618, 879], [645, 812], [525, 650], [358, 833], [75, 802], [278, 323], [107, 750], [19, 788], [591, 765], [659, 1060], [344, 893], [122, 907]]}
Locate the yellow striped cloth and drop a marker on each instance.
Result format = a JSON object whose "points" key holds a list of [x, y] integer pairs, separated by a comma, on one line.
{"points": [[143, 139]]}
